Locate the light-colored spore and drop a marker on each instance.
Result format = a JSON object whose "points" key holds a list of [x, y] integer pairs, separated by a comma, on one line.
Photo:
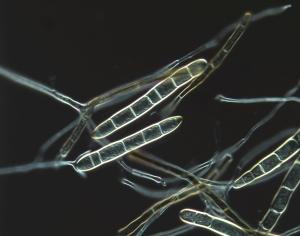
{"points": [[211, 223], [121, 147], [271, 162], [194, 73], [282, 197], [149, 100]]}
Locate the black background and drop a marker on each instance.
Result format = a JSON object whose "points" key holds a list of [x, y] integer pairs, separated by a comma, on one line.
{"points": [[84, 48]]}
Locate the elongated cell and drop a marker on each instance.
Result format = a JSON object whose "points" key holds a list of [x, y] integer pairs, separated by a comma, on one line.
{"points": [[211, 223], [121, 147], [39, 87], [116, 95], [282, 197], [179, 230], [221, 55], [181, 195], [222, 98], [149, 100], [271, 162]]}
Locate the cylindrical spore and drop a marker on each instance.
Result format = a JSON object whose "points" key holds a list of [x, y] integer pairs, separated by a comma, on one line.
{"points": [[132, 142]]}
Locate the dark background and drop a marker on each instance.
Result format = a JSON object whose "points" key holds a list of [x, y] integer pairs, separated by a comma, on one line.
{"points": [[84, 48]]}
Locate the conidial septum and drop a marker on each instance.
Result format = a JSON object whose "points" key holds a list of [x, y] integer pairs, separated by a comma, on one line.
{"points": [[112, 151], [152, 98]]}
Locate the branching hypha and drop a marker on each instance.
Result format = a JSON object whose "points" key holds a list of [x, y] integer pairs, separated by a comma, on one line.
{"points": [[266, 168], [270, 166], [177, 79], [199, 185], [174, 76], [201, 179], [111, 151]]}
